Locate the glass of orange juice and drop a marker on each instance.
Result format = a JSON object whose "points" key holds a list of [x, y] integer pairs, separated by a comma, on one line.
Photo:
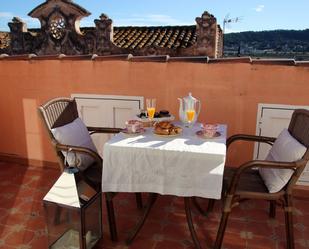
{"points": [[190, 116], [151, 107]]}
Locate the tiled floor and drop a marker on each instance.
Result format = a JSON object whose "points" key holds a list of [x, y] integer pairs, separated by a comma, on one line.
{"points": [[22, 223]]}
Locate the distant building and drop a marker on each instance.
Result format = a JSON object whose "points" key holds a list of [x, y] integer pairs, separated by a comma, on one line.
{"points": [[60, 33]]}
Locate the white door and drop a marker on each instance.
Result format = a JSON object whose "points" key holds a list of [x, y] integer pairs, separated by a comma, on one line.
{"points": [[107, 111], [271, 120]]}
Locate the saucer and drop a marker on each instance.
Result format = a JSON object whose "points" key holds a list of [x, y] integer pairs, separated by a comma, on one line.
{"points": [[202, 134], [129, 133]]}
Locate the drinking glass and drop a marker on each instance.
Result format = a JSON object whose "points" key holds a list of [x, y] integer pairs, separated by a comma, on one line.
{"points": [[151, 107]]}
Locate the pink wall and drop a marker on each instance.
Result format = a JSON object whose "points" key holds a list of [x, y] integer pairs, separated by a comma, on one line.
{"points": [[230, 93]]}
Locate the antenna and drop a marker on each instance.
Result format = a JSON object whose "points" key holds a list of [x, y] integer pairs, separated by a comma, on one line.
{"points": [[228, 20]]}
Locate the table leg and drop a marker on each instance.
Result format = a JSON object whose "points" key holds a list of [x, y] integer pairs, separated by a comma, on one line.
{"points": [[151, 200], [190, 223]]}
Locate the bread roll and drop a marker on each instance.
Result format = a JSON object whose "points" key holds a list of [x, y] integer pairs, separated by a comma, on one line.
{"points": [[166, 128]]}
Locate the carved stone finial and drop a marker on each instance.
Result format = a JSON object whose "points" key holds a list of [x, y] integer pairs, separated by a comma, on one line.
{"points": [[17, 25], [104, 31], [206, 30], [104, 17], [17, 20]]}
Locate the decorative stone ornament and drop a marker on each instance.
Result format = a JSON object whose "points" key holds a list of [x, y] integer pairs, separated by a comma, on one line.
{"points": [[60, 27]]}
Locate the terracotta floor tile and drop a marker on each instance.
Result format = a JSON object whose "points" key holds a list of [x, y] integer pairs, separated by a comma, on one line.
{"points": [[261, 243], [151, 228], [233, 240], [174, 232], [19, 238], [5, 231], [143, 242], [169, 244], [39, 243]]}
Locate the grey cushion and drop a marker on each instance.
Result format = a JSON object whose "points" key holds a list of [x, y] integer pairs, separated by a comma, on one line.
{"points": [[75, 134], [285, 149]]}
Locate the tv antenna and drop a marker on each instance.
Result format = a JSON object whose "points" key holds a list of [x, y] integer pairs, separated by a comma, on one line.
{"points": [[228, 20]]}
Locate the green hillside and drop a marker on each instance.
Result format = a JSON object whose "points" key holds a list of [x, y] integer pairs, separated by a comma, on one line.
{"points": [[277, 43]]}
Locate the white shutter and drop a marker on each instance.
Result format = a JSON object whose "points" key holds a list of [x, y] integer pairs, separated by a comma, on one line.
{"points": [[107, 111], [271, 120]]}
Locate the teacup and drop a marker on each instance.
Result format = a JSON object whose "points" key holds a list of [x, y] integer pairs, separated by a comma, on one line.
{"points": [[209, 129], [133, 126]]}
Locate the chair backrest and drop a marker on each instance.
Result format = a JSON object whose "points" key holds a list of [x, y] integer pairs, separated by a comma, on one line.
{"points": [[55, 113], [58, 112], [299, 126], [299, 129]]}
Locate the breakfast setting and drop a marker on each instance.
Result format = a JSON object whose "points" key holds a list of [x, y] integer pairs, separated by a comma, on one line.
{"points": [[161, 153], [162, 123]]}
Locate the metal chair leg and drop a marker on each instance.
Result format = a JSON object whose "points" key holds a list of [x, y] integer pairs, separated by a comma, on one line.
{"points": [[211, 203], [151, 200], [139, 200], [221, 231], [198, 207], [111, 218], [272, 209], [288, 213], [190, 223]]}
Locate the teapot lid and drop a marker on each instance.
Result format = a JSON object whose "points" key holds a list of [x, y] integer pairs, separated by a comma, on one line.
{"points": [[190, 98]]}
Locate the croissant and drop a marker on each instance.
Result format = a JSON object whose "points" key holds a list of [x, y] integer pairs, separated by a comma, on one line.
{"points": [[162, 131], [164, 125], [166, 128]]}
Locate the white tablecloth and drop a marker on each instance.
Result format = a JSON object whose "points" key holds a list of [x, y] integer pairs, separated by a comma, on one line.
{"points": [[184, 165]]}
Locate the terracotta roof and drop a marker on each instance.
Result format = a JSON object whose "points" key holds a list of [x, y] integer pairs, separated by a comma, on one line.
{"points": [[163, 36], [5, 40]]}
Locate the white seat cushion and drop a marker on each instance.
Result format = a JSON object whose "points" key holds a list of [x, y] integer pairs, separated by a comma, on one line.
{"points": [[285, 149], [76, 134]]}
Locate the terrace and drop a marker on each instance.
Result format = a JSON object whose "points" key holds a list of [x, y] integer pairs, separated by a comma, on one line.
{"points": [[171, 65]]}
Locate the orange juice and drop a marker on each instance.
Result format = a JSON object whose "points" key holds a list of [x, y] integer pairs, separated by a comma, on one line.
{"points": [[151, 111], [190, 115]]}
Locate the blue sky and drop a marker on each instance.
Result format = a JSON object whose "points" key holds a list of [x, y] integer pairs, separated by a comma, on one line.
{"points": [[255, 14]]}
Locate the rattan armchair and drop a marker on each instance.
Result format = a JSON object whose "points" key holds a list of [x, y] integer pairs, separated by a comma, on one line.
{"points": [[61, 111], [245, 183]]}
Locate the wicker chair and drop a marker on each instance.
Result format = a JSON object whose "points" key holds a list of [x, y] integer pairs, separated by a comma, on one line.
{"points": [[61, 111], [245, 183]]}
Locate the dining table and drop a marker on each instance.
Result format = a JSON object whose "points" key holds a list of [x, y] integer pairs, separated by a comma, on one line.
{"points": [[185, 165]]}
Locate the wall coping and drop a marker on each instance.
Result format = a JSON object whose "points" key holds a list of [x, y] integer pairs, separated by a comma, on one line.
{"points": [[157, 58]]}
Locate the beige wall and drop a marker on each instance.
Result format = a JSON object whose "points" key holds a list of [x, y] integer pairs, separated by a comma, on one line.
{"points": [[230, 93]]}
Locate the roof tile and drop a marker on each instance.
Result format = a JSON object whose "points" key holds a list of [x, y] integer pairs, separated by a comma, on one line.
{"points": [[163, 37], [5, 40]]}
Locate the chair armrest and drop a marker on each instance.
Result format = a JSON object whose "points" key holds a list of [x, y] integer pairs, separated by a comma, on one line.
{"points": [[106, 130], [252, 138], [263, 164], [64, 147]]}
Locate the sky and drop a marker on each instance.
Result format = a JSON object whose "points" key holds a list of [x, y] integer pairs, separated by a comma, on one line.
{"points": [[253, 15]]}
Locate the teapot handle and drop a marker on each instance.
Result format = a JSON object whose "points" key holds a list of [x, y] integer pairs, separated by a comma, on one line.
{"points": [[199, 107]]}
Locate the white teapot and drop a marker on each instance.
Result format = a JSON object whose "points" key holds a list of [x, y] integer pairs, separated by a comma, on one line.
{"points": [[189, 109]]}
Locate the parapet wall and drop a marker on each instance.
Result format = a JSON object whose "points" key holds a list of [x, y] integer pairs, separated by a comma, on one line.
{"points": [[230, 91]]}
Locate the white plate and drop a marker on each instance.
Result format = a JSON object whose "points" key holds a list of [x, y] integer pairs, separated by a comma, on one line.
{"points": [[126, 132], [171, 118], [201, 134]]}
